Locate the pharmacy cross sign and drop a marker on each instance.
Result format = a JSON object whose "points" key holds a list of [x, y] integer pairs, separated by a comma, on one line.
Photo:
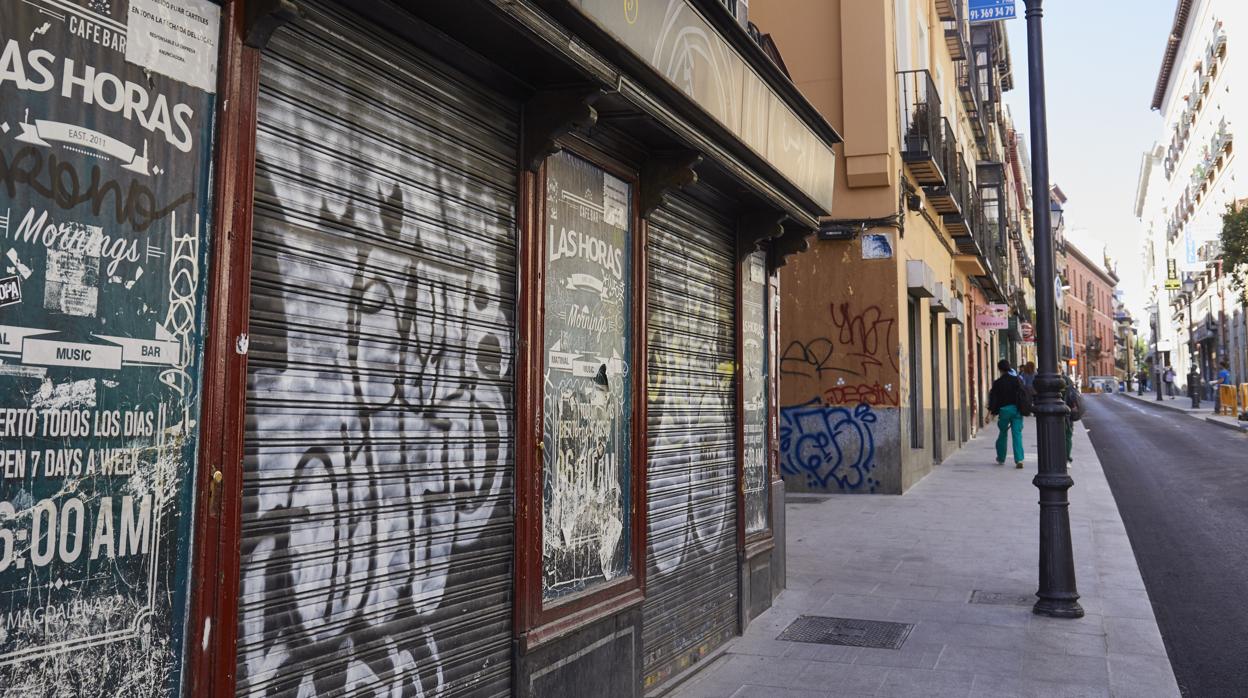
{"points": [[991, 10]]}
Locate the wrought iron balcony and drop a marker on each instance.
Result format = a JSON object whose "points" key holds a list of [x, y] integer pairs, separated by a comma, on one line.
{"points": [[947, 199], [957, 32], [968, 89], [948, 9], [959, 220], [922, 138]]}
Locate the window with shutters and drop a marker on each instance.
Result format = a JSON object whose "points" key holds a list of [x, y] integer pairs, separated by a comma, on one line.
{"points": [[582, 486]]}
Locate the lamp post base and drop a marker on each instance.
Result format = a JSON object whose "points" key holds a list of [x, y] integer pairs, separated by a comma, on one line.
{"points": [[1058, 608]]}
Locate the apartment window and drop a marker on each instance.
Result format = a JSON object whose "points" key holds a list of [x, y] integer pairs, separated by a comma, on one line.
{"points": [[582, 484], [925, 44], [902, 20]]}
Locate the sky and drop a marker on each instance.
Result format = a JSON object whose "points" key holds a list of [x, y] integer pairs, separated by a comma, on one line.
{"points": [[1102, 58]]}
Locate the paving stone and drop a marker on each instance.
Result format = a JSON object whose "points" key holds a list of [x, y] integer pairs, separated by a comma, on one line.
{"points": [[980, 660], [990, 686], [912, 654], [752, 691], [922, 683], [848, 679], [1141, 676], [1065, 668], [1134, 636]]}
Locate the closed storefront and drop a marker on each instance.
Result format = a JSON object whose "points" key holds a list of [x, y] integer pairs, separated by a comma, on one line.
{"points": [[376, 524], [691, 604], [488, 361]]}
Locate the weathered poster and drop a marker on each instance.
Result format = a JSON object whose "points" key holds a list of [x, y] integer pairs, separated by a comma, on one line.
{"points": [[587, 400], [754, 387], [104, 177]]}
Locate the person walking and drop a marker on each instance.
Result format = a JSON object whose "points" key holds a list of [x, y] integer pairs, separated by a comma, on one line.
{"points": [[1224, 378], [1007, 401], [1028, 376], [1074, 405], [1168, 379]]}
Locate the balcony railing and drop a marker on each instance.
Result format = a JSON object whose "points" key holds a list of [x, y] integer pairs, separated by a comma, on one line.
{"points": [[945, 199], [948, 9], [922, 146], [969, 91], [957, 32], [958, 221]]}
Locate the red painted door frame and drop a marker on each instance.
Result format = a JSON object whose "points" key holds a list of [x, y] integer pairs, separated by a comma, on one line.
{"points": [[212, 623]]}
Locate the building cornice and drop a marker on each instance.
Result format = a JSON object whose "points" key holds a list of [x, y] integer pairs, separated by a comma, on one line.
{"points": [[1088, 264], [1181, 12]]}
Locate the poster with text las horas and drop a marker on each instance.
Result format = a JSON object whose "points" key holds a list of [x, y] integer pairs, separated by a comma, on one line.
{"points": [[106, 117]]}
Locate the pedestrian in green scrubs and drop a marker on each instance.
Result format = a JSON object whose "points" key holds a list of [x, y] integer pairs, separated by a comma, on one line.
{"points": [[1070, 395], [1008, 400]]}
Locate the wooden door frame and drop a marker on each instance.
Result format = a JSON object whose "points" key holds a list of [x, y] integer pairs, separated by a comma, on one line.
{"points": [[212, 626]]}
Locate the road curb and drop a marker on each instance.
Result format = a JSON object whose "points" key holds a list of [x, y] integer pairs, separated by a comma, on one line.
{"points": [[1162, 405], [1233, 427], [1159, 405]]}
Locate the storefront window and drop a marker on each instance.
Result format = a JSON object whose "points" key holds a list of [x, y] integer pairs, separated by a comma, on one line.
{"points": [[586, 448], [754, 388]]}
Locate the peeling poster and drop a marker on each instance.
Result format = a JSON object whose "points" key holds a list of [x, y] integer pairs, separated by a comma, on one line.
{"points": [[587, 399], [104, 180]]}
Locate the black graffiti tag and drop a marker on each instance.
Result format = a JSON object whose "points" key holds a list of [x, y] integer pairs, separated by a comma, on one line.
{"points": [[59, 181]]}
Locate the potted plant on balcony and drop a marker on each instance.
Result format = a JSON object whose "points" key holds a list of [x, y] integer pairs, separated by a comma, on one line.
{"points": [[918, 138]]}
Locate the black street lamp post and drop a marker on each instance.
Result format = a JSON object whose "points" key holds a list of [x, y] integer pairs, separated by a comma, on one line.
{"points": [[1058, 596], [1157, 351], [1193, 373]]}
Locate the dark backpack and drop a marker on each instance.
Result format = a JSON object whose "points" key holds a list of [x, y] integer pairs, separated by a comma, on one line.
{"points": [[1074, 402], [1024, 399]]}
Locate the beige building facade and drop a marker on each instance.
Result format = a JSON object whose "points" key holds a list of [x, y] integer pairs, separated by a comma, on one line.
{"points": [[883, 372]]}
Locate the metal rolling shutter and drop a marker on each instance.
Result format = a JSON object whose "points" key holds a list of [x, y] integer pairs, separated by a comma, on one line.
{"points": [[377, 527], [691, 586]]}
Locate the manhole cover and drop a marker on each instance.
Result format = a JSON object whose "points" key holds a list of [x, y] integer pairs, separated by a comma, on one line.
{"points": [[850, 632], [1001, 598]]}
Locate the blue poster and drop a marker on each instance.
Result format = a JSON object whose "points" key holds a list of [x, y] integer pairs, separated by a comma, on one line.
{"points": [[991, 10], [106, 123]]}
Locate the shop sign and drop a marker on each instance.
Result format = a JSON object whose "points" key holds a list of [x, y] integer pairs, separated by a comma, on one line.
{"points": [[1172, 276], [105, 149], [993, 316]]}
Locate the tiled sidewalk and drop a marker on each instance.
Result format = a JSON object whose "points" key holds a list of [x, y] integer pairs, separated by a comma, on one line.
{"points": [[970, 525]]}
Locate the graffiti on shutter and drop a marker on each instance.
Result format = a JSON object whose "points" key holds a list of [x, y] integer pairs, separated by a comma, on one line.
{"points": [[691, 604], [377, 524]]}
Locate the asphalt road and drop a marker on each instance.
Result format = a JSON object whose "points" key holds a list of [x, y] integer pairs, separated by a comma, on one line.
{"points": [[1182, 487]]}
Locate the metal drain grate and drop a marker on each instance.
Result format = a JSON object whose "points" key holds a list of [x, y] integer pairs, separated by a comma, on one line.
{"points": [[1001, 598], [850, 632]]}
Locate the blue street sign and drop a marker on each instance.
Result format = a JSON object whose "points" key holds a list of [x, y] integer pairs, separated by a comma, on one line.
{"points": [[991, 10]]}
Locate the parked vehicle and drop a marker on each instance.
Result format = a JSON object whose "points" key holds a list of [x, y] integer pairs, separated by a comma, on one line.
{"points": [[1103, 384]]}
